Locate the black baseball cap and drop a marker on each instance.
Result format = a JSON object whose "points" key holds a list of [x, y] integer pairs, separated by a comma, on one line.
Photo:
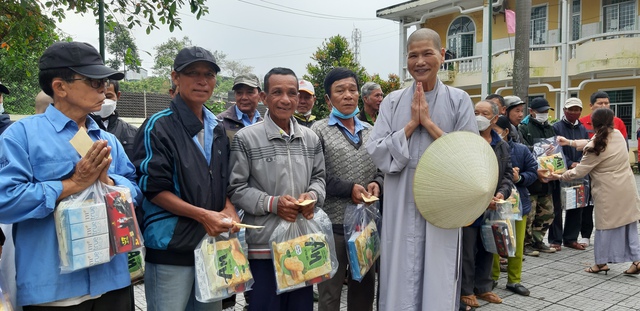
{"points": [[540, 104], [80, 57], [503, 123], [190, 55], [4, 89]]}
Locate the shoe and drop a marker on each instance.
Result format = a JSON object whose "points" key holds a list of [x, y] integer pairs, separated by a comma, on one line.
{"points": [[470, 300], [316, 296], [584, 242], [543, 248], [503, 268], [575, 245], [557, 247], [518, 289], [634, 269], [464, 307], [598, 269], [529, 251], [490, 297]]}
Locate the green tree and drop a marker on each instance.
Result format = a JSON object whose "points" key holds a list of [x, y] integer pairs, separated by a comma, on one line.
{"points": [[124, 50], [24, 35], [149, 12], [389, 85], [334, 52], [165, 54], [149, 85], [235, 68]]}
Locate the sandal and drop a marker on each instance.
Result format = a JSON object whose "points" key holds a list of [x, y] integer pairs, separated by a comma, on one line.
{"points": [[584, 242], [575, 245], [636, 268], [598, 268], [464, 307], [470, 300], [557, 247], [490, 297]]}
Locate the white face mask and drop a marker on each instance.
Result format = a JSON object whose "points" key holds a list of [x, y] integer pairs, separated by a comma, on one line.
{"points": [[542, 117], [1, 108], [483, 123], [108, 107]]}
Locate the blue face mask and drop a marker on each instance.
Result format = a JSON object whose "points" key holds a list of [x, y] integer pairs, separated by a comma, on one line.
{"points": [[343, 116]]}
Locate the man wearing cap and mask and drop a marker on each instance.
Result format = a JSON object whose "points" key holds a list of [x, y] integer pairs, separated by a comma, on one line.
{"points": [[418, 261], [182, 159], [246, 89], [40, 168], [108, 119], [5, 121], [534, 128], [571, 128], [306, 100]]}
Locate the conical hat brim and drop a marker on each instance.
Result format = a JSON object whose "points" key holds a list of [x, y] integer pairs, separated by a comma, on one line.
{"points": [[455, 180]]}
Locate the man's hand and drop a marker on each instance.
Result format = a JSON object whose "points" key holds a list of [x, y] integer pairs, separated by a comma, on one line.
{"points": [[307, 210], [373, 189], [543, 175], [356, 193], [287, 208], [516, 174], [423, 106], [93, 165], [215, 223], [497, 197], [230, 211]]}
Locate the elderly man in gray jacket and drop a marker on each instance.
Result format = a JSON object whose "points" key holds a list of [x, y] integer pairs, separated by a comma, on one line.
{"points": [[274, 165]]}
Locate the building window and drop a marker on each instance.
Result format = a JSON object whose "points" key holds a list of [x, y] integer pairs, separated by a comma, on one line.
{"points": [[461, 37], [618, 15], [622, 105], [538, 33], [575, 20]]}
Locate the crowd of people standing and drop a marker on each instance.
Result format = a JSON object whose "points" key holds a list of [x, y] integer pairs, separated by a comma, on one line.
{"points": [[192, 173]]}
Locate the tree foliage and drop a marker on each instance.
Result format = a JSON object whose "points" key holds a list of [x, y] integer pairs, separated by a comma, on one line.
{"points": [[123, 48], [165, 54], [235, 68], [149, 85], [387, 86], [139, 12], [334, 52], [24, 35]]}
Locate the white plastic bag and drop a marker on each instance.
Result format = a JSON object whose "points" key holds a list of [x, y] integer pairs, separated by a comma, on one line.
{"points": [[573, 193], [222, 268], [82, 228], [303, 252], [361, 223], [498, 230]]}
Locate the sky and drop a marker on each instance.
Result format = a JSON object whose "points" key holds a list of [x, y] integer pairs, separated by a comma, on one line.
{"points": [[269, 33]]}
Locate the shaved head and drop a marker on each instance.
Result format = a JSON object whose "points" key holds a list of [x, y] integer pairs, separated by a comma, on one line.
{"points": [[425, 34]]}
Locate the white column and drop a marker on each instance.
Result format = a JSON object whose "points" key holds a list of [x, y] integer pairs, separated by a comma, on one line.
{"points": [[564, 18], [486, 50]]}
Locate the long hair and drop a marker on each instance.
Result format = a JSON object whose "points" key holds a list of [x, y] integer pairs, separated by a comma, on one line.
{"points": [[602, 120]]}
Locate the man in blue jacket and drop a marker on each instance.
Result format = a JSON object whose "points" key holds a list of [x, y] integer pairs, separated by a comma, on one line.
{"points": [[571, 128], [39, 168], [182, 159]]}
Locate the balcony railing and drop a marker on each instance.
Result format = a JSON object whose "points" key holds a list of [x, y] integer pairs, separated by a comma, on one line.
{"points": [[473, 64]]}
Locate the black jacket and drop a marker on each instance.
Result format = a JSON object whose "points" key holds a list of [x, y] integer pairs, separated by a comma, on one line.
{"points": [[124, 132], [532, 132], [4, 122], [231, 122], [167, 159]]}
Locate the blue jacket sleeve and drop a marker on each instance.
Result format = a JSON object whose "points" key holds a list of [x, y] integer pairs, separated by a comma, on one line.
{"points": [[21, 196], [529, 172]]}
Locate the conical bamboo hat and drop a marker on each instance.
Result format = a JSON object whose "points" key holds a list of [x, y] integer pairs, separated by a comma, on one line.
{"points": [[455, 180]]}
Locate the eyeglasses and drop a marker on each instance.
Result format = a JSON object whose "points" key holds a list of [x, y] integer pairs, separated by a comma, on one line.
{"points": [[95, 83]]}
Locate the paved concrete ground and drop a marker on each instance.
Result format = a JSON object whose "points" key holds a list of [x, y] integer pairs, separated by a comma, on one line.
{"points": [[556, 281]]}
